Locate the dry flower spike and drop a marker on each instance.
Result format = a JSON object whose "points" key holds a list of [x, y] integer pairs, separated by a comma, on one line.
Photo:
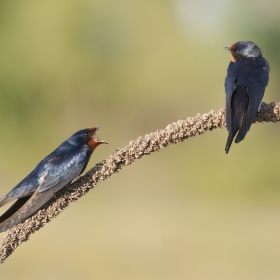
{"points": [[173, 133]]}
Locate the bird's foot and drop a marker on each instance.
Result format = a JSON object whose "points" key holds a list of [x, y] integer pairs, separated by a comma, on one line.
{"points": [[260, 106]]}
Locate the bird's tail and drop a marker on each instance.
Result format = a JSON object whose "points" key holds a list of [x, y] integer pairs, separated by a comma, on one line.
{"points": [[231, 136]]}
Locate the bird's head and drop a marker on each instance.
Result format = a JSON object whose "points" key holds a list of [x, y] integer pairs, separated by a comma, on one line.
{"points": [[88, 137], [244, 49]]}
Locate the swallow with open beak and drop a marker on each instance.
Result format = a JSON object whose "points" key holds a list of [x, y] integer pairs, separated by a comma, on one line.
{"points": [[52, 174]]}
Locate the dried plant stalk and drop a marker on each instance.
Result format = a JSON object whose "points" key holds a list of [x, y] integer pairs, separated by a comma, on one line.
{"points": [[173, 133]]}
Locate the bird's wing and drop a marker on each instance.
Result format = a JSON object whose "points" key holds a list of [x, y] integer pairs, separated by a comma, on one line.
{"points": [[255, 92], [24, 189], [58, 176], [23, 208], [230, 86], [50, 183], [4, 200]]}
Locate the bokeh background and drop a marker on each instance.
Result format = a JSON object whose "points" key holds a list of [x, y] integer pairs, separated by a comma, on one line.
{"points": [[187, 212]]}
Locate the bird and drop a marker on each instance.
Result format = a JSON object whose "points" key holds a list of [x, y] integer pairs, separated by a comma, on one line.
{"points": [[52, 174], [246, 79]]}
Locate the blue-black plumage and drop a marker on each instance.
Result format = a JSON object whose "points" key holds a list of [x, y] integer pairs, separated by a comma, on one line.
{"points": [[53, 173], [245, 83]]}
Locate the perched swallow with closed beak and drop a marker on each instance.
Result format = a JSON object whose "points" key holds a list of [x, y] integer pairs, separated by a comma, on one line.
{"points": [[245, 83]]}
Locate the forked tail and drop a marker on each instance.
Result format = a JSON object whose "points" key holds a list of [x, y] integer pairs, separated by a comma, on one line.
{"points": [[230, 138]]}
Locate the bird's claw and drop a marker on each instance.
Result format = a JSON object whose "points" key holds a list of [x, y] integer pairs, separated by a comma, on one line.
{"points": [[260, 106]]}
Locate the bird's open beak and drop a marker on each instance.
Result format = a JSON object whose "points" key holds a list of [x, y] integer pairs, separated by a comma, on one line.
{"points": [[98, 127], [227, 48], [96, 139]]}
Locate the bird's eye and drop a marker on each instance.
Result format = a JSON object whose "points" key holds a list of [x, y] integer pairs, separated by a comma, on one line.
{"points": [[86, 135], [236, 52]]}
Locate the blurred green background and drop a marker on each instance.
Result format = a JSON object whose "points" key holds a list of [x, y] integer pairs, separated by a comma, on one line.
{"points": [[187, 212]]}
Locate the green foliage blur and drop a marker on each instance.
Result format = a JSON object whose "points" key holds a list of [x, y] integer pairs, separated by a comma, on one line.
{"points": [[187, 212]]}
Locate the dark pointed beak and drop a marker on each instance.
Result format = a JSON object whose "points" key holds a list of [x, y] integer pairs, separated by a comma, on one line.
{"points": [[227, 48], [98, 127]]}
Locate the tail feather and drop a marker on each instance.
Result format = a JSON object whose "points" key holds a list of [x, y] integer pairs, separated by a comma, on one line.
{"points": [[13, 209], [240, 137], [231, 136], [24, 208]]}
